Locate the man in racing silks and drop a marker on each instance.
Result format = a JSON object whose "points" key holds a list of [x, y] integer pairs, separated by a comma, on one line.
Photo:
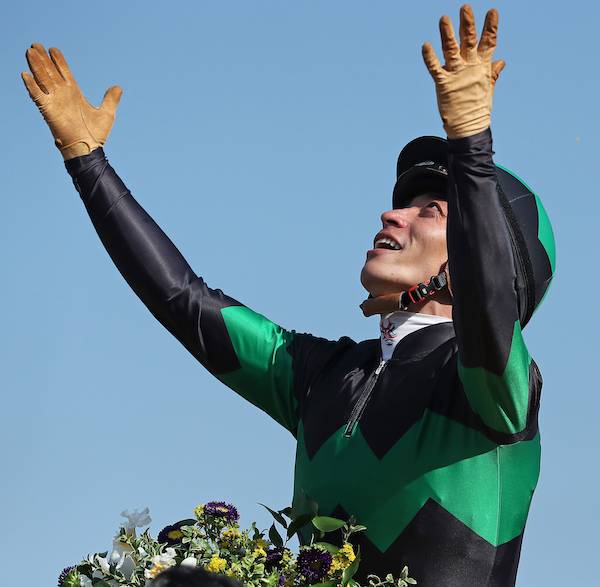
{"points": [[438, 417]]}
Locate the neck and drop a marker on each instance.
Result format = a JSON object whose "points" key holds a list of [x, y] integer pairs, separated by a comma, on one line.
{"points": [[434, 307]]}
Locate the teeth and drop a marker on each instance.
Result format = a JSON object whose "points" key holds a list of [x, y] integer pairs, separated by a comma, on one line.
{"points": [[387, 242]]}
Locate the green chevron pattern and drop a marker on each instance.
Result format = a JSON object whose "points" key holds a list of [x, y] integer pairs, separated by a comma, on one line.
{"points": [[486, 486]]}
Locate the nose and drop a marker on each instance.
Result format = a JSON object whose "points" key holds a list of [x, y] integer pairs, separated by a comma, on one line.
{"points": [[397, 217]]}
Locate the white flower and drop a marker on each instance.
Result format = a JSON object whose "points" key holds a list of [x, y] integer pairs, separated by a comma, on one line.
{"points": [[86, 582], [135, 520], [121, 556], [104, 565], [190, 561], [160, 562]]}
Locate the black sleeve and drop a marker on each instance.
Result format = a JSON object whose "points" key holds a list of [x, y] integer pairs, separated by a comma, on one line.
{"points": [[501, 381]]}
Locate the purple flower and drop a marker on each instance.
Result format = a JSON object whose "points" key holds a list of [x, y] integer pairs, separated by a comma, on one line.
{"points": [[274, 556], [219, 509], [171, 535], [313, 563], [281, 581], [63, 575]]}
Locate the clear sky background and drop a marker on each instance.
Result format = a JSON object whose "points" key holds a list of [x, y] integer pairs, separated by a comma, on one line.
{"points": [[262, 136]]}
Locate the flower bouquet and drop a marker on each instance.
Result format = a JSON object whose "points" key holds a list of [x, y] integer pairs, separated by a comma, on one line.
{"points": [[214, 541]]}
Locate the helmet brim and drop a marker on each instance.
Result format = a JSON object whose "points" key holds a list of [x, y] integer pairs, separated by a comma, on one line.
{"points": [[422, 168]]}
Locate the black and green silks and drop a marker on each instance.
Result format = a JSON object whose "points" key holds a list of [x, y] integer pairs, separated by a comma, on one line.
{"points": [[442, 462]]}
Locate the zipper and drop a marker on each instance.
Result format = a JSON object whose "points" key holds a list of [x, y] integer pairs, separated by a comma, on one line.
{"points": [[363, 400]]}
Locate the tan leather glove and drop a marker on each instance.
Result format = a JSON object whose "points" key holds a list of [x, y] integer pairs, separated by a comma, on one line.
{"points": [[77, 127], [465, 84]]}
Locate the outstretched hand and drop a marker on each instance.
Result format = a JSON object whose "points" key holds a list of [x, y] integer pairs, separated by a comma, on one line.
{"points": [[465, 84], [77, 127]]}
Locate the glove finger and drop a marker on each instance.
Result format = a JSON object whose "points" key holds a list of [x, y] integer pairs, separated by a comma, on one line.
{"points": [[48, 64], [35, 92], [432, 62], [468, 34], [111, 100], [38, 68], [61, 66], [497, 67], [450, 46], [487, 44]]}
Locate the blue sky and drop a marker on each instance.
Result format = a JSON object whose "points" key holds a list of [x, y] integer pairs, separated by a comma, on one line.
{"points": [[262, 136]]}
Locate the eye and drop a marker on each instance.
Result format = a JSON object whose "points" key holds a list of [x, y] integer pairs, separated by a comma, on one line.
{"points": [[436, 208]]}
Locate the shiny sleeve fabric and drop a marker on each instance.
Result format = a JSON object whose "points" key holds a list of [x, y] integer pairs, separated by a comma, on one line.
{"points": [[243, 349], [501, 381]]}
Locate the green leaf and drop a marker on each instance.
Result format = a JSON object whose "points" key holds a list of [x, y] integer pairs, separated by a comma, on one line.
{"points": [[100, 583], [326, 524], [276, 515], [329, 547], [298, 505], [275, 537], [298, 523], [303, 505], [350, 571], [331, 583]]}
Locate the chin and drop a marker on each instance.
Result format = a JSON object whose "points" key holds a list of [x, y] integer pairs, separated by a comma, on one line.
{"points": [[378, 285]]}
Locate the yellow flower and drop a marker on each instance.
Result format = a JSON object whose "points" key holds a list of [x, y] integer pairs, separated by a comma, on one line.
{"points": [[216, 564], [229, 538], [198, 511], [259, 552], [342, 559], [232, 572]]}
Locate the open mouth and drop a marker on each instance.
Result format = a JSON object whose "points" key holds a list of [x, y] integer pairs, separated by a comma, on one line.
{"points": [[387, 243]]}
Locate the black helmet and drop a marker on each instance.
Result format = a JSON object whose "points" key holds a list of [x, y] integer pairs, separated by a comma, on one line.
{"points": [[422, 167]]}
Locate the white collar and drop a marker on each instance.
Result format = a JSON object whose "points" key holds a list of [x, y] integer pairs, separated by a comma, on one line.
{"points": [[395, 326]]}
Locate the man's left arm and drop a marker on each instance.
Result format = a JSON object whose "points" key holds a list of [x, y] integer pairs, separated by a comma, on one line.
{"points": [[500, 380]]}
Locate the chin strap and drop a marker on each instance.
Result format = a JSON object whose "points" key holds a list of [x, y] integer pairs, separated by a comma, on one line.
{"points": [[416, 294]]}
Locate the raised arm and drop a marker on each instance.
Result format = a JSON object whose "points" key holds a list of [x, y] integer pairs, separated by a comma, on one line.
{"points": [[243, 349], [77, 127], [500, 380]]}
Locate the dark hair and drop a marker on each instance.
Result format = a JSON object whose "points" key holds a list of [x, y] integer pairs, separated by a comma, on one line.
{"points": [[183, 576]]}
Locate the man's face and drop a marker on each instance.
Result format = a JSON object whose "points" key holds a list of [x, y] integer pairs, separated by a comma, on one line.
{"points": [[410, 248]]}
